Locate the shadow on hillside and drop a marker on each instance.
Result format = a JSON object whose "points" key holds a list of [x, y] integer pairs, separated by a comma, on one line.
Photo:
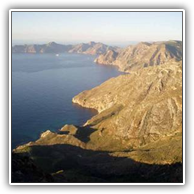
{"points": [[82, 133], [174, 51], [72, 164]]}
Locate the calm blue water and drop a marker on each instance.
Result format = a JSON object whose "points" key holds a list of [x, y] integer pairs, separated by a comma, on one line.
{"points": [[43, 86]]}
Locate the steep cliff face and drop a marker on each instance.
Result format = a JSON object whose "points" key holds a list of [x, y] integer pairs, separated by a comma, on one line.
{"points": [[143, 55], [136, 109]]}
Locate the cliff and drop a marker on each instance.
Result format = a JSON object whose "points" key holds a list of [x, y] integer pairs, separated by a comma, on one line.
{"points": [[143, 55]]}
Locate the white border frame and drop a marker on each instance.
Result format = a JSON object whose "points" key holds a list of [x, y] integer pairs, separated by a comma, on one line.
{"points": [[97, 10]]}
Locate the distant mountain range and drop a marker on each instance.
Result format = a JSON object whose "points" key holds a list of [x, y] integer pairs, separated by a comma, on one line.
{"points": [[142, 55], [91, 48], [128, 59]]}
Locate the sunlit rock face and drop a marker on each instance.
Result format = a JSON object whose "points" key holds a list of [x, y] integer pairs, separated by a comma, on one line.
{"points": [[136, 109], [142, 55]]}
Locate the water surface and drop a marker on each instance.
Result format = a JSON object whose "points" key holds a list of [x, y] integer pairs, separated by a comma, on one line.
{"points": [[43, 86]]}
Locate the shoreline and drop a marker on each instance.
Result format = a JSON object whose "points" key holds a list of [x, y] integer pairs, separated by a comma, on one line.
{"points": [[92, 110]]}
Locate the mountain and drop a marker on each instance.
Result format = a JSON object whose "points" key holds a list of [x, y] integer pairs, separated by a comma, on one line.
{"points": [[91, 48], [135, 137], [142, 55], [136, 109], [51, 47]]}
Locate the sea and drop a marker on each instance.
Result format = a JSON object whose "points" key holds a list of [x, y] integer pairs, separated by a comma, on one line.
{"points": [[43, 86]]}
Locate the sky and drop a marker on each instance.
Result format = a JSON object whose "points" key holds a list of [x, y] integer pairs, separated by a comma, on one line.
{"points": [[116, 28]]}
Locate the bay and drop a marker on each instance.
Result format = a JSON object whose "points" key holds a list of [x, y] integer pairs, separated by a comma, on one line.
{"points": [[43, 86]]}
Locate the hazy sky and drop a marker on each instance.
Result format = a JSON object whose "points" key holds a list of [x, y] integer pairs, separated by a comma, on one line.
{"points": [[106, 27]]}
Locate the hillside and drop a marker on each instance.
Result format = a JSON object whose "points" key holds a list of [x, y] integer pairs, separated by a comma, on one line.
{"points": [[138, 128], [91, 48], [142, 55], [135, 109], [51, 47]]}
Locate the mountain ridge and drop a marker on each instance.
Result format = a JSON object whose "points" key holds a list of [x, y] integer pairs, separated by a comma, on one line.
{"points": [[142, 55], [92, 48], [136, 109]]}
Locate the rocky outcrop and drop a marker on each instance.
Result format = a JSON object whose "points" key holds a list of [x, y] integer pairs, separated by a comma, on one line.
{"points": [[135, 109], [143, 55], [51, 138]]}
